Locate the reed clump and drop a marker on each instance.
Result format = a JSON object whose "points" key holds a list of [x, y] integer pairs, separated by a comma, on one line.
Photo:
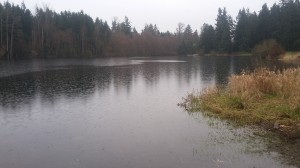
{"points": [[264, 84], [259, 97]]}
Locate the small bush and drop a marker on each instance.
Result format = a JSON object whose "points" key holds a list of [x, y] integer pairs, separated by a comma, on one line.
{"points": [[268, 49]]}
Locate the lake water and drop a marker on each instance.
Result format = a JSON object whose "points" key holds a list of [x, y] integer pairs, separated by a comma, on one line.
{"points": [[120, 113]]}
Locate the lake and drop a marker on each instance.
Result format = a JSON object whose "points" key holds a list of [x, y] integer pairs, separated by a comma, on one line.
{"points": [[121, 113]]}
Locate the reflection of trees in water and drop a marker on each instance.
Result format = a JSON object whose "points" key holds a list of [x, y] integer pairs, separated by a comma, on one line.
{"points": [[122, 78], [83, 81], [77, 82], [153, 73], [17, 89], [183, 73], [150, 72], [21, 89], [226, 66], [207, 66], [103, 78], [222, 70], [243, 63]]}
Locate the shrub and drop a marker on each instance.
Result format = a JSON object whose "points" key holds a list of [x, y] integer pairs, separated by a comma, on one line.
{"points": [[268, 49]]}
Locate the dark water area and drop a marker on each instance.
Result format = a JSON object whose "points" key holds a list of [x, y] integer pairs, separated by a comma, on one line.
{"points": [[121, 112]]}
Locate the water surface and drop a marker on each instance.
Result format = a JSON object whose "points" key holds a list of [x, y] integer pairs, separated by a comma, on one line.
{"points": [[120, 112]]}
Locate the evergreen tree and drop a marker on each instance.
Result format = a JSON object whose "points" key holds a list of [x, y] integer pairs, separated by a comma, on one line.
{"points": [[290, 24], [188, 43], [224, 31], [263, 26], [126, 26], [244, 34], [207, 41]]}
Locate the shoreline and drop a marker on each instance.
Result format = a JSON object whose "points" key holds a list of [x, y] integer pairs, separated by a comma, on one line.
{"points": [[290, 57], [237, 54], [264, 98]]}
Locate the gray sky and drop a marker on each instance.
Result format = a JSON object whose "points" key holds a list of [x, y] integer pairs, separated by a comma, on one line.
{"points": [[166, 14]]}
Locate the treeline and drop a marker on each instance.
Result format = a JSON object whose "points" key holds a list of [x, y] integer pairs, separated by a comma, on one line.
{"points": [[281, 23], [47, 34]]}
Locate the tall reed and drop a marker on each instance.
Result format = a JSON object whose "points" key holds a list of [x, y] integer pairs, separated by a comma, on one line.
{"points": [[263, 82]]}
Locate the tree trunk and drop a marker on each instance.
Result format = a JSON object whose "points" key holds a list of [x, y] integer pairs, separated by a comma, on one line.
{"points": [[82, 45], [1, 22], [7, 36], [42, 48], [12, 38]]}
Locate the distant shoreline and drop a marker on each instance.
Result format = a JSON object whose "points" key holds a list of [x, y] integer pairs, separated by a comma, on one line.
{"points": [[228, 54]]}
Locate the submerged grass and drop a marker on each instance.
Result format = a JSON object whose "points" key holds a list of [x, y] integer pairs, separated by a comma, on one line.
{"points": [[262, 97]]}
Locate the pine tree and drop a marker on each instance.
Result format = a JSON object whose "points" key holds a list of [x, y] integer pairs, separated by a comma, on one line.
{"points": [[207, 41], [224, 31]]}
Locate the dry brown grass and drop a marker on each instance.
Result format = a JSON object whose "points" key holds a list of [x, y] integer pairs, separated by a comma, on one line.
{"points": [[291, 57], [263, 82]]}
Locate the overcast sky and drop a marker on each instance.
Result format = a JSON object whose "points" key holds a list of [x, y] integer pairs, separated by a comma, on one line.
{"points": [[166, 14]]}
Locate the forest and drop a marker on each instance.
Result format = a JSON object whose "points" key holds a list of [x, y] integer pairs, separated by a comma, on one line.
{"points": [[45, 33]]}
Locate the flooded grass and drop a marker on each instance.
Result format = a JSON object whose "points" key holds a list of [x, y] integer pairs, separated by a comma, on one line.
{"points": [[267, 98]]}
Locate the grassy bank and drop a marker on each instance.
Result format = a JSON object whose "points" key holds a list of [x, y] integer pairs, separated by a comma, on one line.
{"points": [[264, 97], [290, 56]]}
